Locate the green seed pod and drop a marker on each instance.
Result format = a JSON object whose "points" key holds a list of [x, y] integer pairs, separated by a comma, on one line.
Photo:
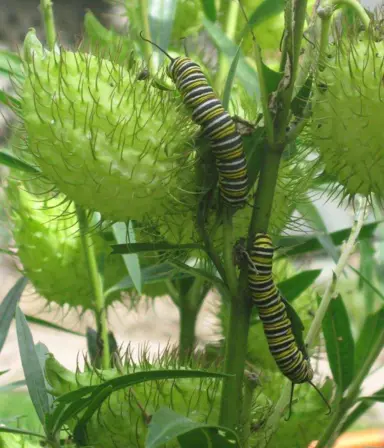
{"points": [[347, 114], [46, 234], [110, 141], [16, 441], [122, 419]]}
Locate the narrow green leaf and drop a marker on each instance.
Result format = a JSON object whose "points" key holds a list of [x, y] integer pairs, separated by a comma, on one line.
{"points": [[134, 248], [376, 397], [42, 353], [8, 308], [31, 366], [339, 343], [3, 372], [79, 399], [254, 146], [149, 275], [294, 286], [209, 9], [12, 386], [370, 333], [230, 79], [367, 282], [9, 100], [196, 272], [314, 219], [263, 12], [12, 162], [80, 433], [45, 323], [360, 410], [367, 267], [299, 103], [297, 326], [305, 244], [166, 425], [21, 432], [10, 64], [126, 235], [247, 75]]}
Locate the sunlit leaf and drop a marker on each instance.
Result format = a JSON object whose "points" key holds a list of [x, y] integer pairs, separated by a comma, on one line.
{"points": [[8, 308], [166, 425], [32, 370], [126, 235], [339, 343]]}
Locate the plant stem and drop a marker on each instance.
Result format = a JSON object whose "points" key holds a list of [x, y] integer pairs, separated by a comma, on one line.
{"points": [[230, 31], [230, 269], [147, 47], [189, 307], [265, 192], [237, 335], [251, 381], [286, 87], [348, 248], [235, 355], [49, 22], [273, 421], [360, 11], [96, 285], [325, 17]]}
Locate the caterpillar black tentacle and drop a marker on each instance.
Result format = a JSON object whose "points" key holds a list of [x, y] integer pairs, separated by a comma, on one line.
{"points": [[292, 360], [217, 125]]}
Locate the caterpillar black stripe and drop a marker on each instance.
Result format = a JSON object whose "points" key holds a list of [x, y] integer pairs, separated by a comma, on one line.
{"points": [[290, 359], [217, 126]]}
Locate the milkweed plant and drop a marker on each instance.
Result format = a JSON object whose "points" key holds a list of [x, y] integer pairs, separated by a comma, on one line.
{"points": [[184, 156]]}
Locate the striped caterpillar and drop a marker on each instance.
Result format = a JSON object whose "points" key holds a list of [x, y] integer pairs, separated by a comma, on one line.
{"points": [[291, 360], [217, 125]]}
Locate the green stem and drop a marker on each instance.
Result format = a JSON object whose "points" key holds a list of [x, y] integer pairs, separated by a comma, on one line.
{"points": [[235, 356], [325, 17], [189, 307], [230, 269], [251, 381], [147, 47], [230, 31], [96, 285], [359, 9], [49, 22], [293, 48], [265, 192], [237, 335]]}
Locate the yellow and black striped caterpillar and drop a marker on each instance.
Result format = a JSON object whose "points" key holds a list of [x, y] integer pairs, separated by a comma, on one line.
{"points": [[292, 360], [217, 126]]}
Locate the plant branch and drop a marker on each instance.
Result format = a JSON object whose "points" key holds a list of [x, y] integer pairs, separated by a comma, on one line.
{"points": [[147, 47], [265, 191], [49, 22], [359, 9], [96, 285]]}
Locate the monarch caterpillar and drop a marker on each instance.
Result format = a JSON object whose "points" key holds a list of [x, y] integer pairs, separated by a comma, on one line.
{"points": [[217, 125], [291, 359]]}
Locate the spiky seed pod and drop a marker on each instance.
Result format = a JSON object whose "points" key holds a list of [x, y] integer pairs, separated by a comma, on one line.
{"points": [[109, 141], [122, 419], [46, 234], [16, 441], [347, 116]]}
